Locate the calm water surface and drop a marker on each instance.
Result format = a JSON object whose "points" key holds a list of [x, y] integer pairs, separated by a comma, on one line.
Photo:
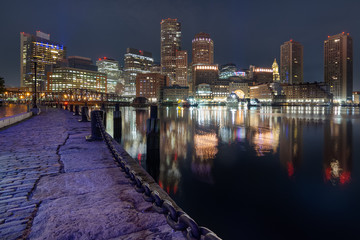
{"points": [[12, 109], [263, 173]]}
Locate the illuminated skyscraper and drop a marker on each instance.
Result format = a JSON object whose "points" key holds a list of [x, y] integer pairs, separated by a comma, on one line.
{"points": [[276, 75], [291, 62], [181, 68], [338, 66], [202, 49], [170, 43], [114, 74], [136, 61], [37, 48]]}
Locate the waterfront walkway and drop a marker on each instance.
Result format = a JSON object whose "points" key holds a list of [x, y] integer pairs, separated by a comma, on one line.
{"points": [[55, 185]]}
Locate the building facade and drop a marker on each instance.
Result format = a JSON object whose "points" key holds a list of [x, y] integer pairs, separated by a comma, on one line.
{"points": [[114, 74], [261, 75], [356, 97], [136, 61], [66, 78], [307, 93], [291, 62], [202, 49], [170, 43], [338, 66], [37, 48], [208, 74], [181, 68], [151, 86], [267, 92], [175, 93]]}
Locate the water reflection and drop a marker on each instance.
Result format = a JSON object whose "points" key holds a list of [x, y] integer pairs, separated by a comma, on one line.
{"points": [[12, 109], [265, 160], [338, 151], [190, 139]]}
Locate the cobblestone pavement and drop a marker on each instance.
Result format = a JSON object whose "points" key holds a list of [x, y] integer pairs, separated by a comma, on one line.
{"points": [[55, 185]]}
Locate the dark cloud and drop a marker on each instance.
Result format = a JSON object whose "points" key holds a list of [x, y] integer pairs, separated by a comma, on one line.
{"points": [[244, 32]]}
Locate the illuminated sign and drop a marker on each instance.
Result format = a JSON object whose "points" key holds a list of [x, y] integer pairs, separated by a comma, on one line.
{"points": [[240, 74]]}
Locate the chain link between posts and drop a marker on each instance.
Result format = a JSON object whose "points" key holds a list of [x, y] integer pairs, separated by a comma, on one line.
{"points": [[177, 220]]}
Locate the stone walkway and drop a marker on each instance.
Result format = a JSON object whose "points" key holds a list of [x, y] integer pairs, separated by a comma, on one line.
{"points": [[55, 185]]}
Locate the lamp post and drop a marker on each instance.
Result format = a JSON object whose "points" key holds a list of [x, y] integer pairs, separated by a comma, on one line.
{"points": [[35, 109], [34, 98]]}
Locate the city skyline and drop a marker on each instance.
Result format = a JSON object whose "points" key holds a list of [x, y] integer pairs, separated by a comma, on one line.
{"points": [[237, 38]]}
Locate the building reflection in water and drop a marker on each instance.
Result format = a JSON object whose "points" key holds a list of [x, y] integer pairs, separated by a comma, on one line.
{"points": [[291, 144], [190, 139], [338, 151]]}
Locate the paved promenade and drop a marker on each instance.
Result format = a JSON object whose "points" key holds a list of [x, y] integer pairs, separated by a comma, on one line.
{"points": [[55, 185]]}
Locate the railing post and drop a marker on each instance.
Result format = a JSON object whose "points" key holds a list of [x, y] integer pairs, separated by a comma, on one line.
{"points": [[117, 123], [76, 110], [95, 126], [84, 114]]}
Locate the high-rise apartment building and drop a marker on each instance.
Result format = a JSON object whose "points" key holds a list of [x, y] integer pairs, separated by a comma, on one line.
{"points": [[181, 68], [114, 74], [291, 62], [170, 43], [136, 61], [37, 48], [202, 49], [338, 66]]}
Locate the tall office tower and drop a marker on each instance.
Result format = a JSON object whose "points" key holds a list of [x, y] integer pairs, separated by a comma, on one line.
{"points": [[202, 49], [181, 68], [338, 66], [276, 75], [291, 62], [170, 43], [136, 61], [37, 48], [114, 74]]}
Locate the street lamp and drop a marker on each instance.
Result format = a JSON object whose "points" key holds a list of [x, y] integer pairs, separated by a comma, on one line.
{"points": [[35, 109], [35, 59]]}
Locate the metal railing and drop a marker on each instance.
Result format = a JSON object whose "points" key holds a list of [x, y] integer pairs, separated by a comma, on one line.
{"points": [[177, 220]]}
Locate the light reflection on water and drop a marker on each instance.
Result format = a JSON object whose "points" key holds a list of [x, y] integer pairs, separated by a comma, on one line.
{"points": [[12, 109], [295, 148]]}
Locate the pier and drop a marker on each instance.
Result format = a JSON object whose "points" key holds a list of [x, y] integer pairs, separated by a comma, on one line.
{"points": [[56, 185]]}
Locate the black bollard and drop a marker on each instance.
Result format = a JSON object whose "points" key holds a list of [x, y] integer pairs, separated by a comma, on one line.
{"points": [[71, 108], [117, 123], [95, 127], [84, 114], [76, 110], [153, 144]]}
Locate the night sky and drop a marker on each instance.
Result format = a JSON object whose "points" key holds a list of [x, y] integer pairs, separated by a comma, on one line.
{"points": [[244, 32]]}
